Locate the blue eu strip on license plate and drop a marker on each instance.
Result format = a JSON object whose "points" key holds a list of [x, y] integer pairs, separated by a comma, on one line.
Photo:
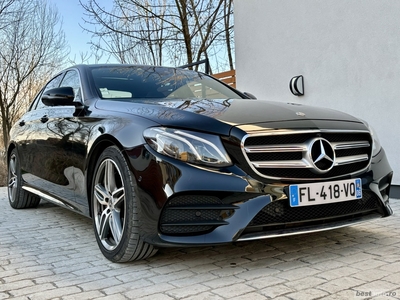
{"points": [[325, 192]]}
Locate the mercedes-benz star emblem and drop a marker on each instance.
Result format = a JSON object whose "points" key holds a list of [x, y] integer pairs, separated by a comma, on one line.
{"points": [[322, 155]]}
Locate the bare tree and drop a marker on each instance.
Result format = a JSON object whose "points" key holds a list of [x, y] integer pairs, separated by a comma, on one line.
{"points": [[33, 46], [172, 32], [228, 22], [4, 4], [5, 11]]}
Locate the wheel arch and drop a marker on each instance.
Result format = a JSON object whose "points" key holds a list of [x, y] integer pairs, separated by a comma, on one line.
{"points": [[99, 146], [11, 147]]}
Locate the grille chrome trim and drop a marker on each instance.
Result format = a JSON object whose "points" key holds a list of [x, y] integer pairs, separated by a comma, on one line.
{"points": [[282, 164], [276, 148], [351, 159], [350, 145], [304, 149]]}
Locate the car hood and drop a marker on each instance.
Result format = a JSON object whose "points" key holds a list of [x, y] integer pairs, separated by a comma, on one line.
{"points": [[220, 115]]}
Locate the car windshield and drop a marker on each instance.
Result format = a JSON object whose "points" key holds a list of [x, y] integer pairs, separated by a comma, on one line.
{"points": [[139, 82]]}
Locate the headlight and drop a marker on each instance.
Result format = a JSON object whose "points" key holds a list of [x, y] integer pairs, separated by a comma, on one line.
{"points": [[376, 145], [191, 147]]}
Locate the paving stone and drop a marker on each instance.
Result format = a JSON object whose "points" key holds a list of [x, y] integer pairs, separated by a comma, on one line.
{"points": [[4, 296], [393, 278], [14, 286], [84, 295], [338, 273], [308, 294], [266, 254], [346, 294], [158, 297], [266, 281], [33, 289], [170, 277], [368, 264], [393, 267], [206, 268], [73, 280], [170, 268], [128, 270], [204, 296], [125, 287], [275, 291], [91, 270], [327, 265], [379, 250], [340, 284], [100, 284], [234, 290], [261, 263], [289, 265], [112, 297], [378, 287], [228, 271], [42, 294], [222, 282], [318, 257], [193, 280], [371, 275], [299, 273], [249, 296], [187, 291], [139, 293], [350, 259], [51, 253], [257, 273], [305, 283], [27, 275]]}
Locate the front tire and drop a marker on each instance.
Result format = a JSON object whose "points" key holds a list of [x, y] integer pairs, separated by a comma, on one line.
{"points": [[18, 197], [115, 211]]}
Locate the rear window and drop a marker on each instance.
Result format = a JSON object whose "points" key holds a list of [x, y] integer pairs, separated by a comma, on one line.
{"points": [[141, 82]]}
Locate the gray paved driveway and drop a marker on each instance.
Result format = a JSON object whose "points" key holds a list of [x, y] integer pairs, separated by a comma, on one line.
{"points": [[51, 253]]}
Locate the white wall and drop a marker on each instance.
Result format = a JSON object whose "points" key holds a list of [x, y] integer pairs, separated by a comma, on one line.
{"points": [[347, 51]]}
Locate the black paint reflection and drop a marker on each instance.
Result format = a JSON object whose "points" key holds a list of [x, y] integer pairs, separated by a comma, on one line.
{"points": [[154, 178], [54, 150]]}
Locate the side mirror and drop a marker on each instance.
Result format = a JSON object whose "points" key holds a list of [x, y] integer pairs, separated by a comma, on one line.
{"points": [[63, 96], [249, 95]]}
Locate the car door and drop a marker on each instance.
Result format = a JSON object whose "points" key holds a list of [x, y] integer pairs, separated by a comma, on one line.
{"points": [[29, 134], [56, 148]]}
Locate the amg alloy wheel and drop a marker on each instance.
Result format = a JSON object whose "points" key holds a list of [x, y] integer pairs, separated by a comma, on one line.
{"points": [[114, 206], [18, 197]]}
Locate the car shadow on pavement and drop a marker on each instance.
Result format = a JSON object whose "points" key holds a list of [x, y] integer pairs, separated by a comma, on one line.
{"points": [[306, 248]]}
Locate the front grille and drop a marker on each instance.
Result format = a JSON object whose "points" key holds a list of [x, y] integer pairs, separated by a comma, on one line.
{"points": [[281, 213], [194, 214], [288, 155]]}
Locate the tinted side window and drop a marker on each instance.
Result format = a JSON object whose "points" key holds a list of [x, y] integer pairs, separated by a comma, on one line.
{"points": [[54, 83], [71, 79]]}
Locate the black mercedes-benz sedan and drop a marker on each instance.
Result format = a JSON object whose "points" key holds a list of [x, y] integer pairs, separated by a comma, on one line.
{"points": [[161, 157]]}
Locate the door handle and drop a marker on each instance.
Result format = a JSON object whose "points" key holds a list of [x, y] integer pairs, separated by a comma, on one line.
{"points": [[44, 119]]}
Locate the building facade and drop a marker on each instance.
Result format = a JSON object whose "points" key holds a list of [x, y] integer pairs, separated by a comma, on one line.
{"points": [[348, 53]]}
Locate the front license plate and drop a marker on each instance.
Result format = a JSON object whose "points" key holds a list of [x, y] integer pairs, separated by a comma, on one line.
{"points": [[325, 192]]}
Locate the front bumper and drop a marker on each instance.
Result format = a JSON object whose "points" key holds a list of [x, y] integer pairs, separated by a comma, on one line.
{"points": [[183, 205]]}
